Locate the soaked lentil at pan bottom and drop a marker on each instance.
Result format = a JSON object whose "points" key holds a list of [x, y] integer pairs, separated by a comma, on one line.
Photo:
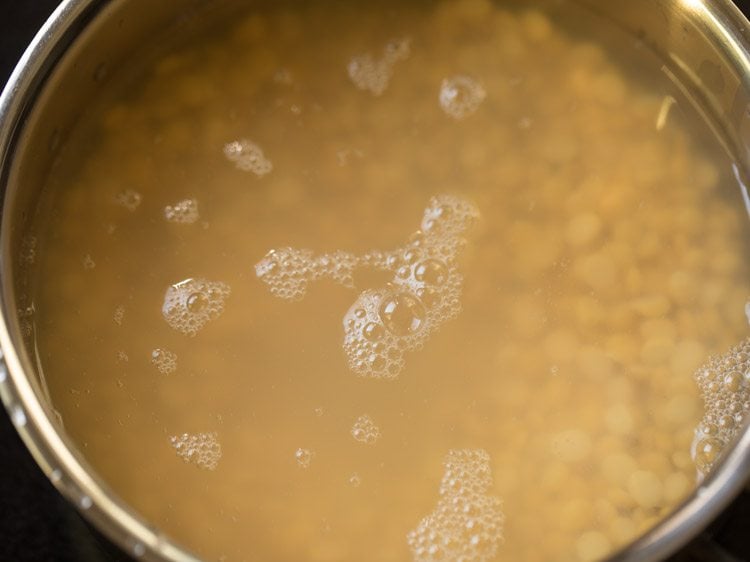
{"points": [[426, 282]]}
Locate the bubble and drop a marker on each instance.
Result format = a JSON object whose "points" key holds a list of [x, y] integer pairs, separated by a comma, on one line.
{"points": [[190, 304], [373, 75], [726, 397], [303, 457], [364, 430], [402, 314], [182, 212], [430, 272], [355, 480], [460, 96], [707, 450], [248, 157], [197, 302], [411, 255], [88, 262], [733, 381], [164, 360], [373, 331], [467, 522], [200, 449], [129, 199]]}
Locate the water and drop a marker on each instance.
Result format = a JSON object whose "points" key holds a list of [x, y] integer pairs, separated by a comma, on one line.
{"points": [[348, 253]]}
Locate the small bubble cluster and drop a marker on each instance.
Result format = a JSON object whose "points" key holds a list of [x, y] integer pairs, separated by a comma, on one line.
{"points": [[119, 314], [364, 430], [129, 199], [460, 96], [724, 384], [164, 360], [190, 304], [467, 523], [386, 322], [248, 157], [182, 212], [88, 262], [374, 75], [303, 457], [200, 449], [122, 356], [288, 271]]}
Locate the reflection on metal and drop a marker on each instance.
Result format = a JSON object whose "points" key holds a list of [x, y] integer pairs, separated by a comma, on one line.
{"points": [[743, 188]]}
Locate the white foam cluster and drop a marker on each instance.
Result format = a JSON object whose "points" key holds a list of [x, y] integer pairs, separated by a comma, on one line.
{"points": [[129, 199], [460, 96], [386, 322], [200, 449], [182, 212], [374, 75], [724, 384], [425, 292], [164, 360], [190, 304], [288, 271], [248, 157], [364, 430], [467, 523], [303, 457]]}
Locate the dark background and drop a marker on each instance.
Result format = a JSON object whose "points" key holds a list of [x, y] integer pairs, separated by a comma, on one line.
{"points": [[38, 525]]}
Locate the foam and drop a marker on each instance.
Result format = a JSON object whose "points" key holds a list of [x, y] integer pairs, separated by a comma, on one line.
{"points": [[119, 314], [201, 449], [365, 431], [288, 271], [248, 157], [460, 96], [724, 384], [190, 304], [467, 523], [303, 457], [164, 360], [129, 199], [384, 323], [182, 212], [373, 75]]}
